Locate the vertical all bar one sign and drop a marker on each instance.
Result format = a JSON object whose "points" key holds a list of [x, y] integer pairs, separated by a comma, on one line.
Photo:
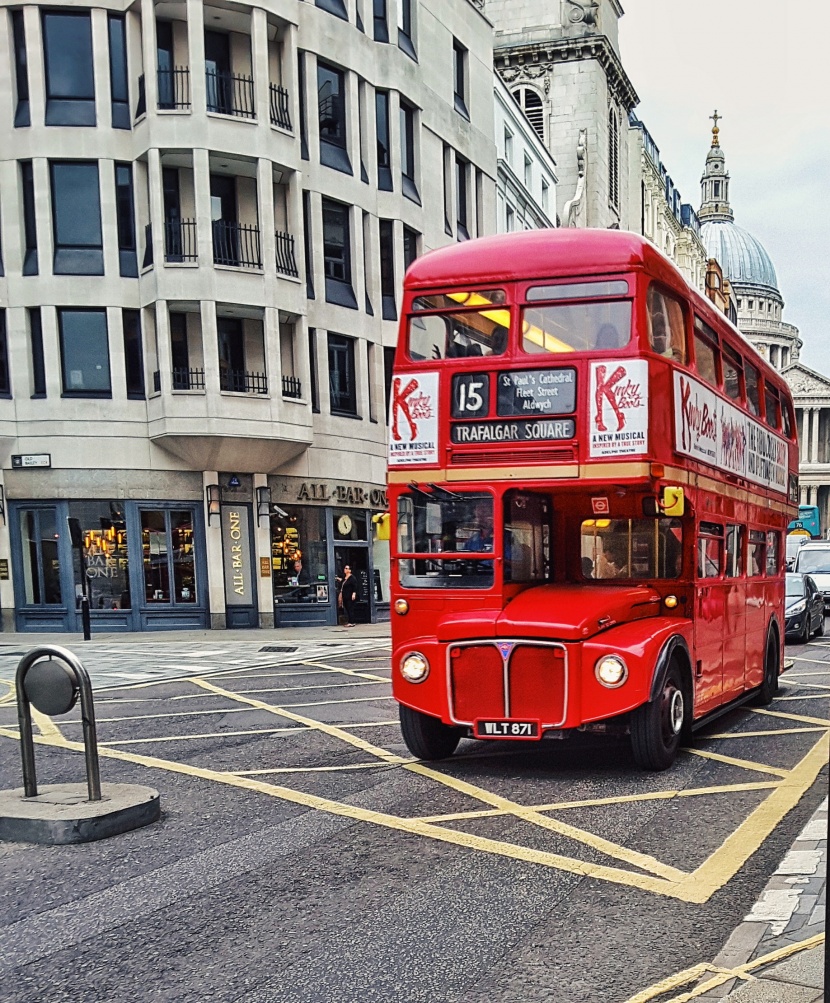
{"points": [[236, 551]]}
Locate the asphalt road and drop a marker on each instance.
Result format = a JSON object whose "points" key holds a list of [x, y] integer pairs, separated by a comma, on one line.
{"points": [[303, 856]]}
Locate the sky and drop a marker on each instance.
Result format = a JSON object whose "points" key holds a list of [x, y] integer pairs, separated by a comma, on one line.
{"points": [[763, 64]]}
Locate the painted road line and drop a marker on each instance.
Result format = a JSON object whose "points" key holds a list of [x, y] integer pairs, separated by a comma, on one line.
{"points": [[792, 717], [720, 976], [744, 764], [323, 686], [376, 765], [210, 734], [599, 802], [762, 734], [812, 696]]}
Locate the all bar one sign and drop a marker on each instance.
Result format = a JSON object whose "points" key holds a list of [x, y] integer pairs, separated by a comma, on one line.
{"points": [[236, 549]]}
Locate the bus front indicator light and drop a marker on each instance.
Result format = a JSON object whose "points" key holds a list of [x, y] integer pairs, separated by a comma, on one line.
{"points": [[670, 601], [414, 667], [401, 607], [611, 671]]}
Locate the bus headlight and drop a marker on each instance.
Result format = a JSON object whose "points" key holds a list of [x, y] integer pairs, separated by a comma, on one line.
{"points": [[414, 667], [611, 671]]}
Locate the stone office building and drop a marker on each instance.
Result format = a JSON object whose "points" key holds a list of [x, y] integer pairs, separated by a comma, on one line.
{"points": [[206, 209]]}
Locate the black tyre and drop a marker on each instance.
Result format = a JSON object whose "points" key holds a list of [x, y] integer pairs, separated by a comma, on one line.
{"points": [[804, 636], [769, 687], [426, 737], [657, 727], [820, 628]]}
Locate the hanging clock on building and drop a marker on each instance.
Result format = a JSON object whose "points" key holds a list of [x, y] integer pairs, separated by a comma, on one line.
{"points": [[344, 525]]}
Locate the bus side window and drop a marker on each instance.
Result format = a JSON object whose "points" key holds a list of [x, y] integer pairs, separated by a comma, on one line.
{"points": [[734, 551], [757, 557], [753, 394], [772, 406], [706, 352], [709, 550], [666, 326], [526, 537], [772, 553]]}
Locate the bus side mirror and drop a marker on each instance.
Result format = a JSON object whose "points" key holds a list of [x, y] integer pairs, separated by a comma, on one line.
{"points": [[674, 501]]}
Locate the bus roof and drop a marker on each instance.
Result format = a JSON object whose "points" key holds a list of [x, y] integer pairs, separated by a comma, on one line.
{"points": [[509, 257]]}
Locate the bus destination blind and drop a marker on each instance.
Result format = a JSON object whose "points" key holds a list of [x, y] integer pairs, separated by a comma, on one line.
{"points": [[527, 392]]}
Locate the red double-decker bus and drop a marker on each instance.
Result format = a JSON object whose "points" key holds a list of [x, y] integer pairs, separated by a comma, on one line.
{"points": [[591, 474]]}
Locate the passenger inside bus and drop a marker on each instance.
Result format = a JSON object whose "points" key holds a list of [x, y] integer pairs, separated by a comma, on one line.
{"points": [[613, 561]]}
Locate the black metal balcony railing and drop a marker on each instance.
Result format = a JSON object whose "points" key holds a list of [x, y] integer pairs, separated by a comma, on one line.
{"points": [[291, 387], [174, 88], [286, 262], [280, 115], [148, 246], [230, 93], [180, 240], [236, 244], [188, 379], [235, 381]]}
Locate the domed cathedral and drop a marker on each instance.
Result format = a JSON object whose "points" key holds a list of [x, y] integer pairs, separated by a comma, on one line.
{"points": [[561, 62], [750, 272]]}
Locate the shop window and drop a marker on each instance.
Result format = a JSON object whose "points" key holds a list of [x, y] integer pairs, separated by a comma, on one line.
{"points": [[119, 94], [383, 145], [299, 562], [70, 82], [168, 555], [381, 523], [342, 384], [39, 553], [85, 361], [103, 558], [76, 218]]}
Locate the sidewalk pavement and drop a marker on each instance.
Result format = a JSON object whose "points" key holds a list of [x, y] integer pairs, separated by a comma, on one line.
{"points": [[778, 950]]}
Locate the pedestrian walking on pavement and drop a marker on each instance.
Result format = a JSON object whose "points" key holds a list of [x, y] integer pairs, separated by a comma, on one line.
{"points": [[348, 595]]}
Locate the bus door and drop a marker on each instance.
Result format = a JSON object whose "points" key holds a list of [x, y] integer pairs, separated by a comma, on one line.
{"points": [[710, 614], [756, 613], [734, 627]]}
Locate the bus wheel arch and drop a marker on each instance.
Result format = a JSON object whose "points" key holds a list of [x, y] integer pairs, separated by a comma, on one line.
{"points": [[427, 737], [772, 664], [659, 726]]}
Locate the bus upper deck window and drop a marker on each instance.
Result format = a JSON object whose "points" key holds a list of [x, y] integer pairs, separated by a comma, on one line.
{"points": [[706, 352], [772, 406], [733, 367], [470, 333], [577, 327], [753, 393], [666, 327]]}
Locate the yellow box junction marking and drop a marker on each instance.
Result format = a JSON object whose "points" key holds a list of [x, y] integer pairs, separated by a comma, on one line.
{"points": [[660, 878]]}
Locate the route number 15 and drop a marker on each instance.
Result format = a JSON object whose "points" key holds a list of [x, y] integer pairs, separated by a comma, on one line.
{"points": [[470, 395]]}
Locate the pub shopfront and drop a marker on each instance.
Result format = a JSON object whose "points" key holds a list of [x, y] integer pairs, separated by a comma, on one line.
{"points": [[317, 529]]}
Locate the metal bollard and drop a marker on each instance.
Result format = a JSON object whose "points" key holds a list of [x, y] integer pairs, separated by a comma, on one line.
{"points": [[54, 689]]}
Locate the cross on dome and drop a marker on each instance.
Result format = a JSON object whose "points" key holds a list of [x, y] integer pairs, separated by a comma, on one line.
{"points": [[715, 130]]}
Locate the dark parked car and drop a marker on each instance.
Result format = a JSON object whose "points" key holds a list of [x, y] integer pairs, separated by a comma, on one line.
{"points": [[804, 608]]}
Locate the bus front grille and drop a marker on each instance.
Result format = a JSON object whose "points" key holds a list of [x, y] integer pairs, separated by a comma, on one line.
{"points": [[524, 456], [499, 679]]}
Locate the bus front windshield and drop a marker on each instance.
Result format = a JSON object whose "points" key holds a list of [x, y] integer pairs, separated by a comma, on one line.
{"points": [[453, 532]]}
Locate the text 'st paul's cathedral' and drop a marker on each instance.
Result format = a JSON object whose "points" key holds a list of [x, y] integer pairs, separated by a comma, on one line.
{"points": [[759, 303]]}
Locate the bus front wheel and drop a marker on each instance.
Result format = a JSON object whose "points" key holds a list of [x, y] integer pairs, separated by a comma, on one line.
{"points": [[657, 727], [426, 737], [769, 687]]}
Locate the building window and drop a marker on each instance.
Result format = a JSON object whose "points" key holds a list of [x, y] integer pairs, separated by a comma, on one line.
{"points": [[103, 558], [384, 151], [459, 77], [36, 351], [387, 269], [85, 358], [717, 189], [379, 17], [303, 114], [406, 38], [447, 161], [119, 88], [169, 556], [410, 246], [336, 7], [388, 373], [133, 354], [331, 100], [342, 389], [545, 196], [5, 380], [410, 189], [125, 217], [528, 173], [76, 218], [337, 254], [27, 184], [531, 104], [462, 198], [508, 145], [299, 556], [22, 115], [309, 261], [510, 219], [613, 159], [312, 365], [70, 83]]}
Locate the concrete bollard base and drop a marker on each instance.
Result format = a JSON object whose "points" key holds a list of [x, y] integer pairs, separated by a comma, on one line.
{"points": [[62, 814]]}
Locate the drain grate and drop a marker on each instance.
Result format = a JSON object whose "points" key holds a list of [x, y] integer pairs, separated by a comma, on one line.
{"points": [[281, 649]]}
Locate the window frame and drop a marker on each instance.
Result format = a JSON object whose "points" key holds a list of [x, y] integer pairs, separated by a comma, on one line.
{"points": [[334, 151], [119, 64], [386, 240], [460, 72], [383, 140], [71, 108], [66, 389], [80, 257], [22, 111], [409, 156], [342, 403], [338, 290], [462, 197], [133, 354], [125, 219], [27, 201]]}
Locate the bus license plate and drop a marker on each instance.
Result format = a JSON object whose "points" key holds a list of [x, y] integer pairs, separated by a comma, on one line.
{"points": [[506, 729]]}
